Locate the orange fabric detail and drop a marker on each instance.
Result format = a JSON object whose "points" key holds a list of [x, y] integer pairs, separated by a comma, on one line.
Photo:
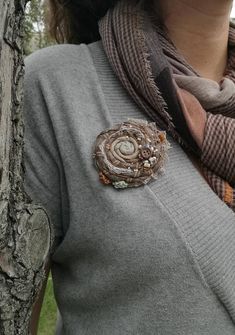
{"points": [[228, 194]]}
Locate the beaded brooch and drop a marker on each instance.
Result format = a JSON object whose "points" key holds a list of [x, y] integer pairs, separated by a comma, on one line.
{"points": [[130, 154]]}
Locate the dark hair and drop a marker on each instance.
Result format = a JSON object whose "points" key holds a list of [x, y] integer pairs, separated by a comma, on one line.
{"points": [[76, 21]]}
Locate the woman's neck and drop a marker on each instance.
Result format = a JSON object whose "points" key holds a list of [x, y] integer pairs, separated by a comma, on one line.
{"points": [[199, 29]]}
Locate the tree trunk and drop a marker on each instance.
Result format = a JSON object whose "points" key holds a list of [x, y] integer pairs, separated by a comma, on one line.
{"points": [[25, 238]]}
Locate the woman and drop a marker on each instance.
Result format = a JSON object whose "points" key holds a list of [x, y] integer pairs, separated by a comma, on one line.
{"points": [[137, 252]]}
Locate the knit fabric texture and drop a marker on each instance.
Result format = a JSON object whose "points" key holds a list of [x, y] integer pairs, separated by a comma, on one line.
{"points": [[157, 259]]}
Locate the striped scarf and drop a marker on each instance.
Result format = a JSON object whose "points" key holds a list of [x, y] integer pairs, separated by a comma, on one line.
{"points": [[197, 112]]}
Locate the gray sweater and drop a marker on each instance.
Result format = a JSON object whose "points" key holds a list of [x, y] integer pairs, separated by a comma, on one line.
{"points": [[153, 260]]}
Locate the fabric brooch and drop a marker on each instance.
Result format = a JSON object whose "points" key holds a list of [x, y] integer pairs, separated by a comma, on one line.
{"points": [[130, 154]]}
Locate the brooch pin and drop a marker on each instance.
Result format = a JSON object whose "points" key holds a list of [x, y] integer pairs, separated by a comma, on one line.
{"points": [[130, 154]]}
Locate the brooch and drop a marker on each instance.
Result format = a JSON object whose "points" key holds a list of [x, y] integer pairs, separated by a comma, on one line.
{"points": [[130, 154]]}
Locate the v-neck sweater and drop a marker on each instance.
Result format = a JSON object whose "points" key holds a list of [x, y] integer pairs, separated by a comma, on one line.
{"points": [[155, 259]]}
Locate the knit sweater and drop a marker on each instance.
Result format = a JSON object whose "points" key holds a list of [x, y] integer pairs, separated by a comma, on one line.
{"points": [[153, 260]]}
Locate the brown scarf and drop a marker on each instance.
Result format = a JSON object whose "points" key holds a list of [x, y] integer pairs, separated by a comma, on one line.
{"points": [[198, 113]]}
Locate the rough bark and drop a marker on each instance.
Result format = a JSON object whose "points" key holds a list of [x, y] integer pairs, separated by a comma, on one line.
{"points": [[25, 237]]}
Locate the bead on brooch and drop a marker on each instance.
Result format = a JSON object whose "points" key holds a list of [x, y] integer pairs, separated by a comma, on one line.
{"points": [[130, 153]]}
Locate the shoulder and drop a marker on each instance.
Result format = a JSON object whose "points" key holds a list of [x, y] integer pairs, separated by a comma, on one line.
{"points": [[57, 57]]}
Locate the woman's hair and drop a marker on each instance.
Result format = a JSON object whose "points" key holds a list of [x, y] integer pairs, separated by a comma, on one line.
{"points": [[76, 21]]}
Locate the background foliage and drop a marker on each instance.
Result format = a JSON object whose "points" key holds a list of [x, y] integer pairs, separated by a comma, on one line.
{"points": [[35, 34], [48, 313]]}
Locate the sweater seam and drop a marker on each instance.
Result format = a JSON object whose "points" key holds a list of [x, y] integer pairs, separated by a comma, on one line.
{"points": [[190, 249]]}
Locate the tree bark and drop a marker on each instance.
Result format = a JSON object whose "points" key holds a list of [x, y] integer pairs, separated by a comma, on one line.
{"points": [[25, 235]]}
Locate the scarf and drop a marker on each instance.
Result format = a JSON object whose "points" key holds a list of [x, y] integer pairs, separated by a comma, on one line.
{"points": [[197, 112]]}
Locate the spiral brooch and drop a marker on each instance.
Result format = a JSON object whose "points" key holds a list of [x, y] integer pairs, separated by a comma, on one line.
{"points": [[130, 154]]}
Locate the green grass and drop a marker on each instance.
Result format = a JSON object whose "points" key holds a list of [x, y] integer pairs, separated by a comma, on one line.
{"points": [[48, 313]]}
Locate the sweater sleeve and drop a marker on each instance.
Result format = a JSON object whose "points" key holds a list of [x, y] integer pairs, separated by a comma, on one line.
{"points": [[41, 157], [220, 155]]}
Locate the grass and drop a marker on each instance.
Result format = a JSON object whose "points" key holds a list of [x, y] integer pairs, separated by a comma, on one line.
{"points": [[48, 313]]}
